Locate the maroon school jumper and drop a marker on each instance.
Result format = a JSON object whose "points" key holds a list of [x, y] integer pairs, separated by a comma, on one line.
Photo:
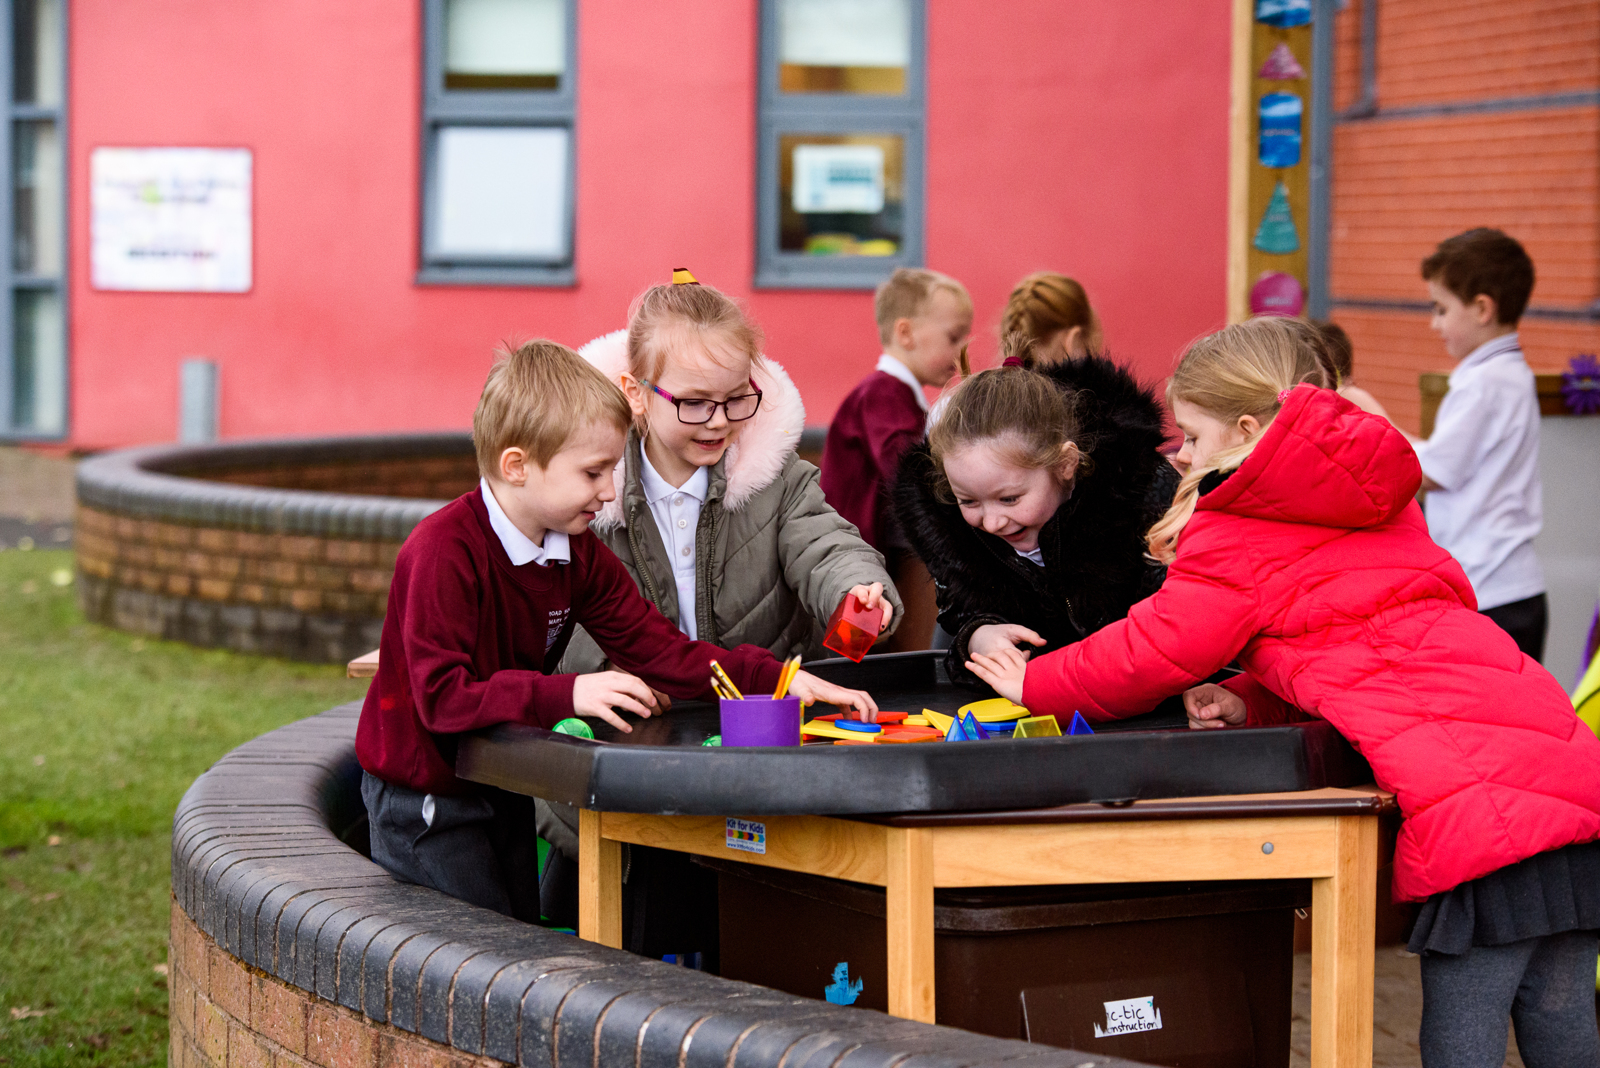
{"points": [[470, 639], [877, 422]]}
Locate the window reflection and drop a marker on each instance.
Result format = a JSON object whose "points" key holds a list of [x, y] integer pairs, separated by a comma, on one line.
{"points": [[502, 192], [504, 44], [844, 46], [841, 194], [36, 52], [36, 199], [38, 366]]}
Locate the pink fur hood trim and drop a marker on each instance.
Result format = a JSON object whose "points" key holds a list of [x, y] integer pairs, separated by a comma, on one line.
{"points": [[751, 463]]}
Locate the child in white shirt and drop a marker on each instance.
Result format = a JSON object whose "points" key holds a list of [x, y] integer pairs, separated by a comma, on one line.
{"points": [[1481, 465]]}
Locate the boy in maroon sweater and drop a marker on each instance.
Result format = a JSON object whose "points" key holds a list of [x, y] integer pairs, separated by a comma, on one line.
{"points": [[486, 593], [924, 319]]}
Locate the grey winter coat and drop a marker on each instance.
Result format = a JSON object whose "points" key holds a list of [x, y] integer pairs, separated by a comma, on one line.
{"points": [[775, 559]]}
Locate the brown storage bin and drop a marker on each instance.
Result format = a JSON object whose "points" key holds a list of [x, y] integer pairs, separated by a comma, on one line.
{"points": [[1046, 964]]}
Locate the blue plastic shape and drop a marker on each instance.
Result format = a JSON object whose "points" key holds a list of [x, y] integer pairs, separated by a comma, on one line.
{"points": [[1079, 725], [974, 729], [958, 732], [857, 725]]}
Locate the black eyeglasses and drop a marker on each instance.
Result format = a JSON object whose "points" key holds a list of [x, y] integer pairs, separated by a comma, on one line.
{"points": [[696, 412]]}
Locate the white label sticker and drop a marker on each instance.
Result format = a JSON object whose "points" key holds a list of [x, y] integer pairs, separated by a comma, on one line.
{"points": [[1128, 1017], [748, 836]]}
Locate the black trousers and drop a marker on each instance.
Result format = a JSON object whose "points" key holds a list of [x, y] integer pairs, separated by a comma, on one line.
{"points": [[481, 849], [1526, 621]]}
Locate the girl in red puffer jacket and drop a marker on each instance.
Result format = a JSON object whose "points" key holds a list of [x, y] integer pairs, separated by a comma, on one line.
{"points": [[1295, 546]]}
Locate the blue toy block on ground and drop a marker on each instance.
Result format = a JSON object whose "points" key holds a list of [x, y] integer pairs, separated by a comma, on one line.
{"points": [[1079, 725]]}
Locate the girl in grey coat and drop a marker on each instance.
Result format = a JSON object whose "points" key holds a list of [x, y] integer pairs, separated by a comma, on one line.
{"points": [[721, 525]]}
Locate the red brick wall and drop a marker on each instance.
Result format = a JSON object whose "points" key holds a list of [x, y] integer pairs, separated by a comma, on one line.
{"points": [[1402, 184], [225, 1014]]}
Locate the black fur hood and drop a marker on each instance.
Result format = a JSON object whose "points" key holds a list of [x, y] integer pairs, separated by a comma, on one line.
{"points": [[1093, 547]]}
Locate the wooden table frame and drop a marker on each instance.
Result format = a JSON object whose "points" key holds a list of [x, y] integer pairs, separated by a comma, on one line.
{"points": [[1153, 841]]}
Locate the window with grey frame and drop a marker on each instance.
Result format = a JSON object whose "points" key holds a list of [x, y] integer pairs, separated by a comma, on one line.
{"points": [[33, 324], [497, 141], [839, 201]]}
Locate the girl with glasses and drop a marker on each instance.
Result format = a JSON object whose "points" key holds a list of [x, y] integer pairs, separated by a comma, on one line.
{"points": [[721, 524]]}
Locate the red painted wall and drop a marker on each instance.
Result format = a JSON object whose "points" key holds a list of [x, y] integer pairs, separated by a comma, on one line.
{"points": [[1089, 138]]}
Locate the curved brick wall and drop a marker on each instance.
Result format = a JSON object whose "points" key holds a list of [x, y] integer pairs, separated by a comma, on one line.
{"points": [[284, 548], [290, 948]]}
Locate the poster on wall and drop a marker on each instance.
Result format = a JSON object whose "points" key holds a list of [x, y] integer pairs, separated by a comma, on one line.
{"points": [[170, 219]]}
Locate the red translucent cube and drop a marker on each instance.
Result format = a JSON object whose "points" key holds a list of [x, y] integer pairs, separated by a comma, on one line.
{"points": [[853, 629]]}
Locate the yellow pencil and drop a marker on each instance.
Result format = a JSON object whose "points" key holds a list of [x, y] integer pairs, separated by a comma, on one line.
{"points": [[716, 669], [791, 668]]}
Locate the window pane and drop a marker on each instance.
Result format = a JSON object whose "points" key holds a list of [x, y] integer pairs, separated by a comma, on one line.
{"points": [[841, 194], [504, 44], [36, 58], [501, 192], [39, 364], [844, 46], [36, 199]]}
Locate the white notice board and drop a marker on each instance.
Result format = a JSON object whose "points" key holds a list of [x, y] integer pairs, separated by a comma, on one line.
{"points": [[172, 219]]}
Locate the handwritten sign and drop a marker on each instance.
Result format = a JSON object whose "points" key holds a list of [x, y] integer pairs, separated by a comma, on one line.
{"points": [[1129, 1017]]}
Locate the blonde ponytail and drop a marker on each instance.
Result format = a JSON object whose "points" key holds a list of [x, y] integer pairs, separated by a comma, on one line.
{"points": [[1240, 370]]}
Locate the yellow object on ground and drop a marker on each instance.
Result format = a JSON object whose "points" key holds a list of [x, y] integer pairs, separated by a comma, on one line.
{"points": [[994, 710], [1038, 727], [937, 719]]}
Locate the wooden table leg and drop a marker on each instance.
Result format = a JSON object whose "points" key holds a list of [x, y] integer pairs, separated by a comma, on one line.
{"points": [[599, 883], [909, 919], [1343, 911]]}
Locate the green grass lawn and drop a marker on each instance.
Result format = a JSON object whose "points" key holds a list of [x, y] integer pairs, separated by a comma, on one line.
{"points": [[100, 734]]}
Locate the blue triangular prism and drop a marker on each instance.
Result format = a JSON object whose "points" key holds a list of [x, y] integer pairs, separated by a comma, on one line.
{"points": [[956, 732], [1079, 725], [974, 729]]}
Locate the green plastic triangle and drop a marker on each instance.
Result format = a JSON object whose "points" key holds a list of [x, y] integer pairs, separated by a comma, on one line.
{"points": [[1277, 234]]}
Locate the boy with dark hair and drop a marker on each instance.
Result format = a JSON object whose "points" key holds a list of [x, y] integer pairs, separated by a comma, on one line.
{"points": [[485, 596], [1481, 464], [924, 319]]}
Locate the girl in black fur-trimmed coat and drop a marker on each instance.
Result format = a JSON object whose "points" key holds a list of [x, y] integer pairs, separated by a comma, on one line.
{"points": [[1030, 500]]}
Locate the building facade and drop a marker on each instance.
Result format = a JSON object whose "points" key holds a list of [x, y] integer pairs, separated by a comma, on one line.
{"points": [[426, 179]]}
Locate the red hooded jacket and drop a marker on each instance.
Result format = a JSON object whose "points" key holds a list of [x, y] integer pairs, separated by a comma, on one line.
{"points": [[1312, 565]]}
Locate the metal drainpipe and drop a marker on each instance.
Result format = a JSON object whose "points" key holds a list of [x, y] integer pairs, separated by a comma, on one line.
{"points": [[1367, 105]]}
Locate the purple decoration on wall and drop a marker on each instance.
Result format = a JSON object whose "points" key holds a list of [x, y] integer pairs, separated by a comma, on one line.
{"points": [[1277, 293], [1281, 66], [1580, 385]]}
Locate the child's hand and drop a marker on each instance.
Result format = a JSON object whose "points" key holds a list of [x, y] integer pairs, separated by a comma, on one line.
{"points": [[1003, 670], [872, 597], [811, 689], [595, 695], [1209, 705], [990, 638]]}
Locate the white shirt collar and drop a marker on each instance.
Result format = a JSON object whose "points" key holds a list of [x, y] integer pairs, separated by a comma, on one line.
{"points": [[1497, 346], [557, 549], [891, 366], [657, 488]]}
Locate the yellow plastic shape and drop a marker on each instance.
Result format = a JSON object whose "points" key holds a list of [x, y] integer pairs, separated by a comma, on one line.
{"points": [[994, 710], [1038, 727], [938, 719], [917, 721]]}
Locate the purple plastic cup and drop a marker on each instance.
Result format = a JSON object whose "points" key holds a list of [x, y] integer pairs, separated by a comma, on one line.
{"points": [[760, 721]]}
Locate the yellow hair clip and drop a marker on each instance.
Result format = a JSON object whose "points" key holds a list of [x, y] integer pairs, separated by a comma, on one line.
{"points": [[682, 277]]}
